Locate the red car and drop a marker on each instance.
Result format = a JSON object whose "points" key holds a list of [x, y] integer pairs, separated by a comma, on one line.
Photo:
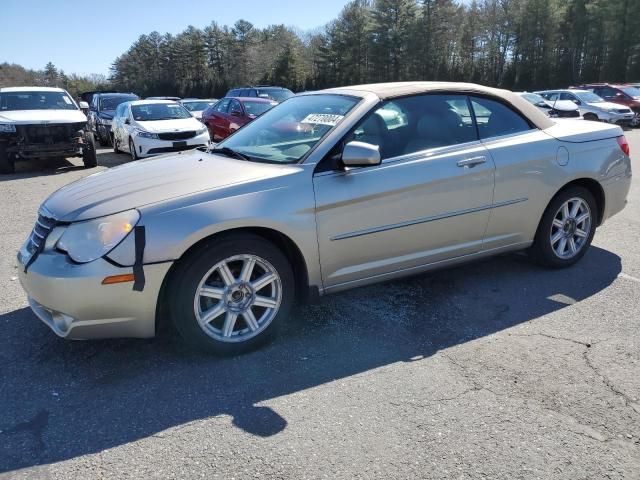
{"points": [[231, 113]]}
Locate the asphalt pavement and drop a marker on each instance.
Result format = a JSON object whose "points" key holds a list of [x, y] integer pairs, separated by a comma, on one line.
{"points": [[498, 369]]}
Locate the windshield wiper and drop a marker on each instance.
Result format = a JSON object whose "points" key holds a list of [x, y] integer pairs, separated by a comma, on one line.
{"points": [[229, 152]]}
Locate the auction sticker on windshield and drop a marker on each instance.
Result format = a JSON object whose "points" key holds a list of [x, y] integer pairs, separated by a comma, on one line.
{"points": [[322, 119]]}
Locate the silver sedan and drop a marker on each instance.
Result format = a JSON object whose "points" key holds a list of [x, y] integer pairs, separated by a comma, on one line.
{"points": [[327, 191]]}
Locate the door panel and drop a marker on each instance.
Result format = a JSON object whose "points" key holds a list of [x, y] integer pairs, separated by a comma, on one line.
{"points": [[410, 211]]}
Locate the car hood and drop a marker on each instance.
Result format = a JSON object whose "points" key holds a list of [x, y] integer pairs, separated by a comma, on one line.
{"points": [[562, 105], [179, 124], [154, 180], [35, 117], [607, 105], [108, 114]]}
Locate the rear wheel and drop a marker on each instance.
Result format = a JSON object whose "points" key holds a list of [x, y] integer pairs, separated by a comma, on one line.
{"points": [[89, 156], [231, 295], [566, 229], [6, 164]]}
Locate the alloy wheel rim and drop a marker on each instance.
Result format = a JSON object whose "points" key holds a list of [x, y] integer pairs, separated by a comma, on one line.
{"points": [[570, 228], [238, 298]]}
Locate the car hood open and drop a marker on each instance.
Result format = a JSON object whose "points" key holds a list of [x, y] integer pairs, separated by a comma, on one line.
{"points": [[37, 117], [154, 180]]}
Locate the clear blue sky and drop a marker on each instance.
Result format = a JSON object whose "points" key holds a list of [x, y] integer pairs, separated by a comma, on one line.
{"points": [[85, 36]]}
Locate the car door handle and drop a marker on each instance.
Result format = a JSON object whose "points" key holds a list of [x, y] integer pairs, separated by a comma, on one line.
{"points": [[472, 162]]}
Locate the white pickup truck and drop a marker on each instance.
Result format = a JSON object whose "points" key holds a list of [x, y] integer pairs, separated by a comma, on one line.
{"points": [[42, 122]]}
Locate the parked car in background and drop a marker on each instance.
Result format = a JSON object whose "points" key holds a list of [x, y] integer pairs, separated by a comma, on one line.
{"points": [[553, 109], [42, 122], [101, 111], [173, 99], [279, 94], [226, 238], [621, 94], [197, 105], [149, 127], [592, 107], [88, 96], [231, 113]]}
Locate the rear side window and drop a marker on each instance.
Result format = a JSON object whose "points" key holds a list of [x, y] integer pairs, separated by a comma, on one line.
{"points": [[222, 105], [495, 119]]}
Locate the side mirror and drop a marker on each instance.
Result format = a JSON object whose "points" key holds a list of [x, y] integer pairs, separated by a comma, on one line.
{"points": [[127, 121], [84, 106], [360, 154]]}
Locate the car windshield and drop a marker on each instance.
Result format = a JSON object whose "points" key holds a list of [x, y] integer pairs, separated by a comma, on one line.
{"points": [[111, 103], [36, 101], [632, 91], [277, 94], [288, 131], [197, 106], [534, 98], [159, 111], [588, 97], [257, 108]]}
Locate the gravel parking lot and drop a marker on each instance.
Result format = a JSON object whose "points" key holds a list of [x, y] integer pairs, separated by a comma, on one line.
{"points": [[498, 369]]}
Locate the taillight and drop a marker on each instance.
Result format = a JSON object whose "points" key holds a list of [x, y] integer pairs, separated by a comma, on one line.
{"points": [[624, 145]]}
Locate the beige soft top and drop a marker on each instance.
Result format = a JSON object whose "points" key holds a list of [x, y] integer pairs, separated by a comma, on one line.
{"points": [[386, 91]]}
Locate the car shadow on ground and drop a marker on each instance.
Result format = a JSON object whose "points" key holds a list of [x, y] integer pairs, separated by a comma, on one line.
{"points": [[64, 399], [56, 166]]}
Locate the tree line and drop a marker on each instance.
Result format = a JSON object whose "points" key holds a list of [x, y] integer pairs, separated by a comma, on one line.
{"points": [[13, 75], [514, 44]]}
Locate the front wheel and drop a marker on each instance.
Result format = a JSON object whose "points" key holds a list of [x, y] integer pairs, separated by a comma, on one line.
{"points": [[591, 116], [89, 156], [132, 150], [231, 295], [566, 229], [6, 164]]}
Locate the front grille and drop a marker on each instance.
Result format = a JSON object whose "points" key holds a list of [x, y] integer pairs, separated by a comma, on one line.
{"points": [[176, 135], [49, 133], [40, 231], [568, 114], [153, 151]]}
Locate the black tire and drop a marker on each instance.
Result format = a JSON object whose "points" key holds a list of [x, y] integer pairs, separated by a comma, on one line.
{"points": [[6, 164], [89, 155], [132, 150], [591, 116], [191, 270], [114, 142], [542, 250]]}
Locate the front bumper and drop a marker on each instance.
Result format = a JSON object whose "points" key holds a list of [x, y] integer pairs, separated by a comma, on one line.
{"points": [[104, 130], [622, 119], [147, 147], [71, 300]]}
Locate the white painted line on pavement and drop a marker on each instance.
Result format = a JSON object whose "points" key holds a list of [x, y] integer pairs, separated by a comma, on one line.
{"points": [[628, 277]]}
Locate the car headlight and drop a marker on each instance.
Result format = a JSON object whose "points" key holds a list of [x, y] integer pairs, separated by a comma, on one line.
{"points": [[7, 128], [87, 241], [145, 134], [201, 131]]}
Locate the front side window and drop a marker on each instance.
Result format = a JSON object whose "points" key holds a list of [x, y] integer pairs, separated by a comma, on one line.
{"points": [[36, 101], [495, 118], [409, 125], [287, 132], [159, 111]]}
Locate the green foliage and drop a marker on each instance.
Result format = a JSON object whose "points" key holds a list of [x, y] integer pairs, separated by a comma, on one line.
{"points": [[515, 44]]}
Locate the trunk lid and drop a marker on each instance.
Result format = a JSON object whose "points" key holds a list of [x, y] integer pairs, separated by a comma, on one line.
{"points": [[579, 131]]}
